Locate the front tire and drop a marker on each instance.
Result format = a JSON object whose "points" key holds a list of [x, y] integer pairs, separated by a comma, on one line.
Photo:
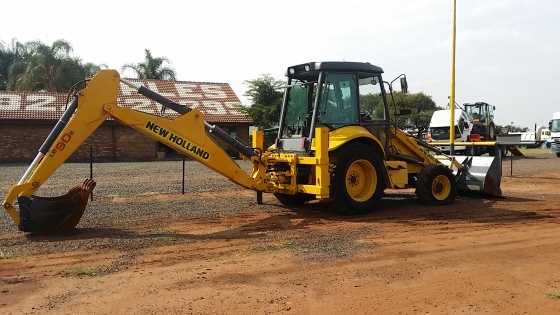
{"points": [[357, 183], [436, 186]]}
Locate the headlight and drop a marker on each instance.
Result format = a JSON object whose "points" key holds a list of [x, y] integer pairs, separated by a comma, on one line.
{"points": [[292, 70]]}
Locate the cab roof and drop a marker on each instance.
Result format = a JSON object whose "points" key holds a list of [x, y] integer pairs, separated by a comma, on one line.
{"points": [[477, 104], [310, 70]]}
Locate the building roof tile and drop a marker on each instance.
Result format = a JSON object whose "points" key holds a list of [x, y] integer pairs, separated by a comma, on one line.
{"points": [[217, 101]]}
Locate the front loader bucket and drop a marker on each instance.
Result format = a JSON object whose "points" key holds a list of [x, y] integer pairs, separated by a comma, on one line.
{"points": [[480, 175], [52, 215]]}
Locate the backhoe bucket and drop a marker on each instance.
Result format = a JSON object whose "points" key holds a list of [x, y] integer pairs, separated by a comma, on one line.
{"points": [[52, 215], [480, 175]]}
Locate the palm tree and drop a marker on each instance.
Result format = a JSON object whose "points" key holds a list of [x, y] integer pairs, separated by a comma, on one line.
{"points": [[36, 66], [47, 68], [151, 68], [11, 61]]}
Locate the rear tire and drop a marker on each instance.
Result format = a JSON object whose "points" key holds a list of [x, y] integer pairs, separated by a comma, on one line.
{"points": [[357, 183], [436, 186], [292, 200], [558, 154]]}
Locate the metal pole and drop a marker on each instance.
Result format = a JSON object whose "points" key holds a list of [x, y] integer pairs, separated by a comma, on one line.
{"points": [[452, 94], [183, 186], [511, 165], [259, 197], [91, 167]]}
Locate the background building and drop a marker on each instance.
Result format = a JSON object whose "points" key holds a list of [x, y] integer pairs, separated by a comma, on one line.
{"points": [[26, 118]]}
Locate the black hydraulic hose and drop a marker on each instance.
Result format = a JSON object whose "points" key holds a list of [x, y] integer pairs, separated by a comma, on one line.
{"points": [[426, 145], [181, 109], [236, 144], [59, 126]]}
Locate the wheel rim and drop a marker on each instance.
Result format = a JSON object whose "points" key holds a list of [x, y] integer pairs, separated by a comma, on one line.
{"points": [[361, 180], [441, 187]]}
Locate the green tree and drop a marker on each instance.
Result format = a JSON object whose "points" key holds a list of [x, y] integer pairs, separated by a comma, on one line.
{"points": [[43, 68], [11, 60], [152, 68], [420, 105], [36, 66], [503, 130], [265, 94]]}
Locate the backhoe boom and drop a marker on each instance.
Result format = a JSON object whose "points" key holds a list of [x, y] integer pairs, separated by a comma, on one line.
{"points": [[188, 134]]}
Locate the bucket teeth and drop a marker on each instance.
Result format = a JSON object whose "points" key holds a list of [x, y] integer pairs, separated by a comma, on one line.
{"points": [[52, 215]]}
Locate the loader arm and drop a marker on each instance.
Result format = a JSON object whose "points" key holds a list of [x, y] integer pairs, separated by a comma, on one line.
{"points": [[187, 134]]}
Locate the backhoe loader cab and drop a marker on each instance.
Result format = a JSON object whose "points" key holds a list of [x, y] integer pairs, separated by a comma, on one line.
{"points": [[331, 95]]}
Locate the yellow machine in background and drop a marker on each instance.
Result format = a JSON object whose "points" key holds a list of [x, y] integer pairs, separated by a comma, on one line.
{"points": [[332, 144]]}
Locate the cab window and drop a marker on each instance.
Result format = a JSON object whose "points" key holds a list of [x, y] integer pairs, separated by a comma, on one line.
{"points": [[298, 109], [338, 105], [371, 99]]}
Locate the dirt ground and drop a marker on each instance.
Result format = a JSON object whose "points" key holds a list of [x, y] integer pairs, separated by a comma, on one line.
{"points": [[144, 248]]}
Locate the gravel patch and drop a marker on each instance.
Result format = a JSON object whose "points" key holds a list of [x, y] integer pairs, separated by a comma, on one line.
{"points": [[131, 185], [148, 194], [128, 194]]}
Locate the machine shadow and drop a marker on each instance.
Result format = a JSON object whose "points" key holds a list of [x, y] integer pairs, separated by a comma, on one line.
{"points": [[246, 231], [403, 208], [394, 208]]}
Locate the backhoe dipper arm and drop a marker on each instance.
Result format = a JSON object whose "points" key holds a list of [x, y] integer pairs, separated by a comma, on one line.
{"points": [[188, 134]]}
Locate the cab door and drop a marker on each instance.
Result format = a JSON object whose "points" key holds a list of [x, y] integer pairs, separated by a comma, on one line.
{"points": [[373, 105], [338, 104]]}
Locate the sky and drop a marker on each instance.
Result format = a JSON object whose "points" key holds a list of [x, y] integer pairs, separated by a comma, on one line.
{"points": [[508, 51]]}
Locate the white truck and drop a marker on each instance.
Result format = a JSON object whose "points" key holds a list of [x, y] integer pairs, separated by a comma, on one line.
{"points": [[439, 128], [554, 126], [534, 139]]}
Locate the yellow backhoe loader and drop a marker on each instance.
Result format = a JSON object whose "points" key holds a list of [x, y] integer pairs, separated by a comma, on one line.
{"points": [[333, 143]]}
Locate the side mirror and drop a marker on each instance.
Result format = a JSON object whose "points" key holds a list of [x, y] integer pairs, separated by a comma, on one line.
{"points": [[404, 112], [404, 85], [550, 125]]}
